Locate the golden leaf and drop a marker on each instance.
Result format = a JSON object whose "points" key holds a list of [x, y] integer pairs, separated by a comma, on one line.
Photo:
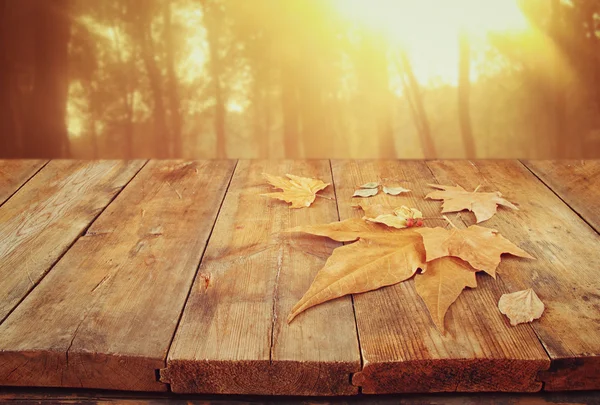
{"points": [[383, 256], [480, 247], [521, 306], [299, 191], [456, 198], [441, 284], [402, 217]]}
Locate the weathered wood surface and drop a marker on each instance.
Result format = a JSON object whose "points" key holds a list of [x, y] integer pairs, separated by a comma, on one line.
{"points": [[105, 315], [40, 222], [576, 182], [102, 310], [565, 275], [402, 351], [14, 173], [233, 336]]}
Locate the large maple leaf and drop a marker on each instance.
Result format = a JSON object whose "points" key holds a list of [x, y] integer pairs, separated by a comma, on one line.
{"points": [[299, 191], [456, 198], [383, 256], [481, 247], [363, 266]]}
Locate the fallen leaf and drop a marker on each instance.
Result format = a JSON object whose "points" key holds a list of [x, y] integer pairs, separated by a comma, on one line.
{"points": [[363, 266], [395, 190], [370, 185], [480, 247], [521, 306], [365, 192], [441, 284], [348, 230], [299, 191], [382, 256], [456, 198], [402, 217]]}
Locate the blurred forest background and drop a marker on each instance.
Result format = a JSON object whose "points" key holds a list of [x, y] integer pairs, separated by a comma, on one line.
{"points": [[299, 78]]}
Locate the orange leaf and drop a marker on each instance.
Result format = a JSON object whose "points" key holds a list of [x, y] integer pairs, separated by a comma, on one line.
{"points": [[456, 198], [382, 257], [441, 284], [299, 191], [480, 247]]}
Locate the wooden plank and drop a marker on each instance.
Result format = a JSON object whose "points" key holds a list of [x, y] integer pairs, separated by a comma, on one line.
{"points": [[14, 173], [577, 182], [44, 217], [233, 336], [402, 350], [565, 274], [105, 315]]}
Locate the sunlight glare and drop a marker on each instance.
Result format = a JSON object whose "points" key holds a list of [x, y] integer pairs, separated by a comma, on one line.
{"points": [[428, 29]]}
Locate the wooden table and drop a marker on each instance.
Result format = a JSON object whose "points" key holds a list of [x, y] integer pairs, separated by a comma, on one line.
{"points": [[175, 276]]}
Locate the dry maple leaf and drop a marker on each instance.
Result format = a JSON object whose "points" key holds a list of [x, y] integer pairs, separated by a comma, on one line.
{"points": [[441, 284], [299, 191], [402, 217], [521, 306], [348, 230], [383, 256], [364, 266], [480, 247], [456, 198]]}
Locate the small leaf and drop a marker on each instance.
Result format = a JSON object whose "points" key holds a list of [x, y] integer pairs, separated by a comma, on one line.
{"points": [[395, 190], [399, 218], [299, 191], [365, 192], [456, 198], [370, 185], [521, 306]]}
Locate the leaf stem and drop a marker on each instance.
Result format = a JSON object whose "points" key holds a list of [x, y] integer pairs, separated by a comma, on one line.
{"points": [[477, 188], [327, 198], [450, 222]]}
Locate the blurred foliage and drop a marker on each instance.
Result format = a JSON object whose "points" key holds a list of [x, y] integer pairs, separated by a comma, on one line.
{"points": [[297, 78]]}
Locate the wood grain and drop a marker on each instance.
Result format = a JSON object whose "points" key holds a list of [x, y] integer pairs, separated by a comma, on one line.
{"points": [[14, 173], [41, 221], [233, 336], [105, 315], [577, 182], [402, 350], [565, 274]]}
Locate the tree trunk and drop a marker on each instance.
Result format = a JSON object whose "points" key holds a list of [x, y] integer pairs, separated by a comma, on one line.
{"points": [[46, 134], [289, 104], [161, 135], [8, 140], [464, 94], [415, 94], [212, 23], [376, 95], [172, 92]]}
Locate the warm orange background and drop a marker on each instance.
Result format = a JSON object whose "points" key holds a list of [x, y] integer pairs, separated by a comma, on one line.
{"points": [[300, 78]]}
